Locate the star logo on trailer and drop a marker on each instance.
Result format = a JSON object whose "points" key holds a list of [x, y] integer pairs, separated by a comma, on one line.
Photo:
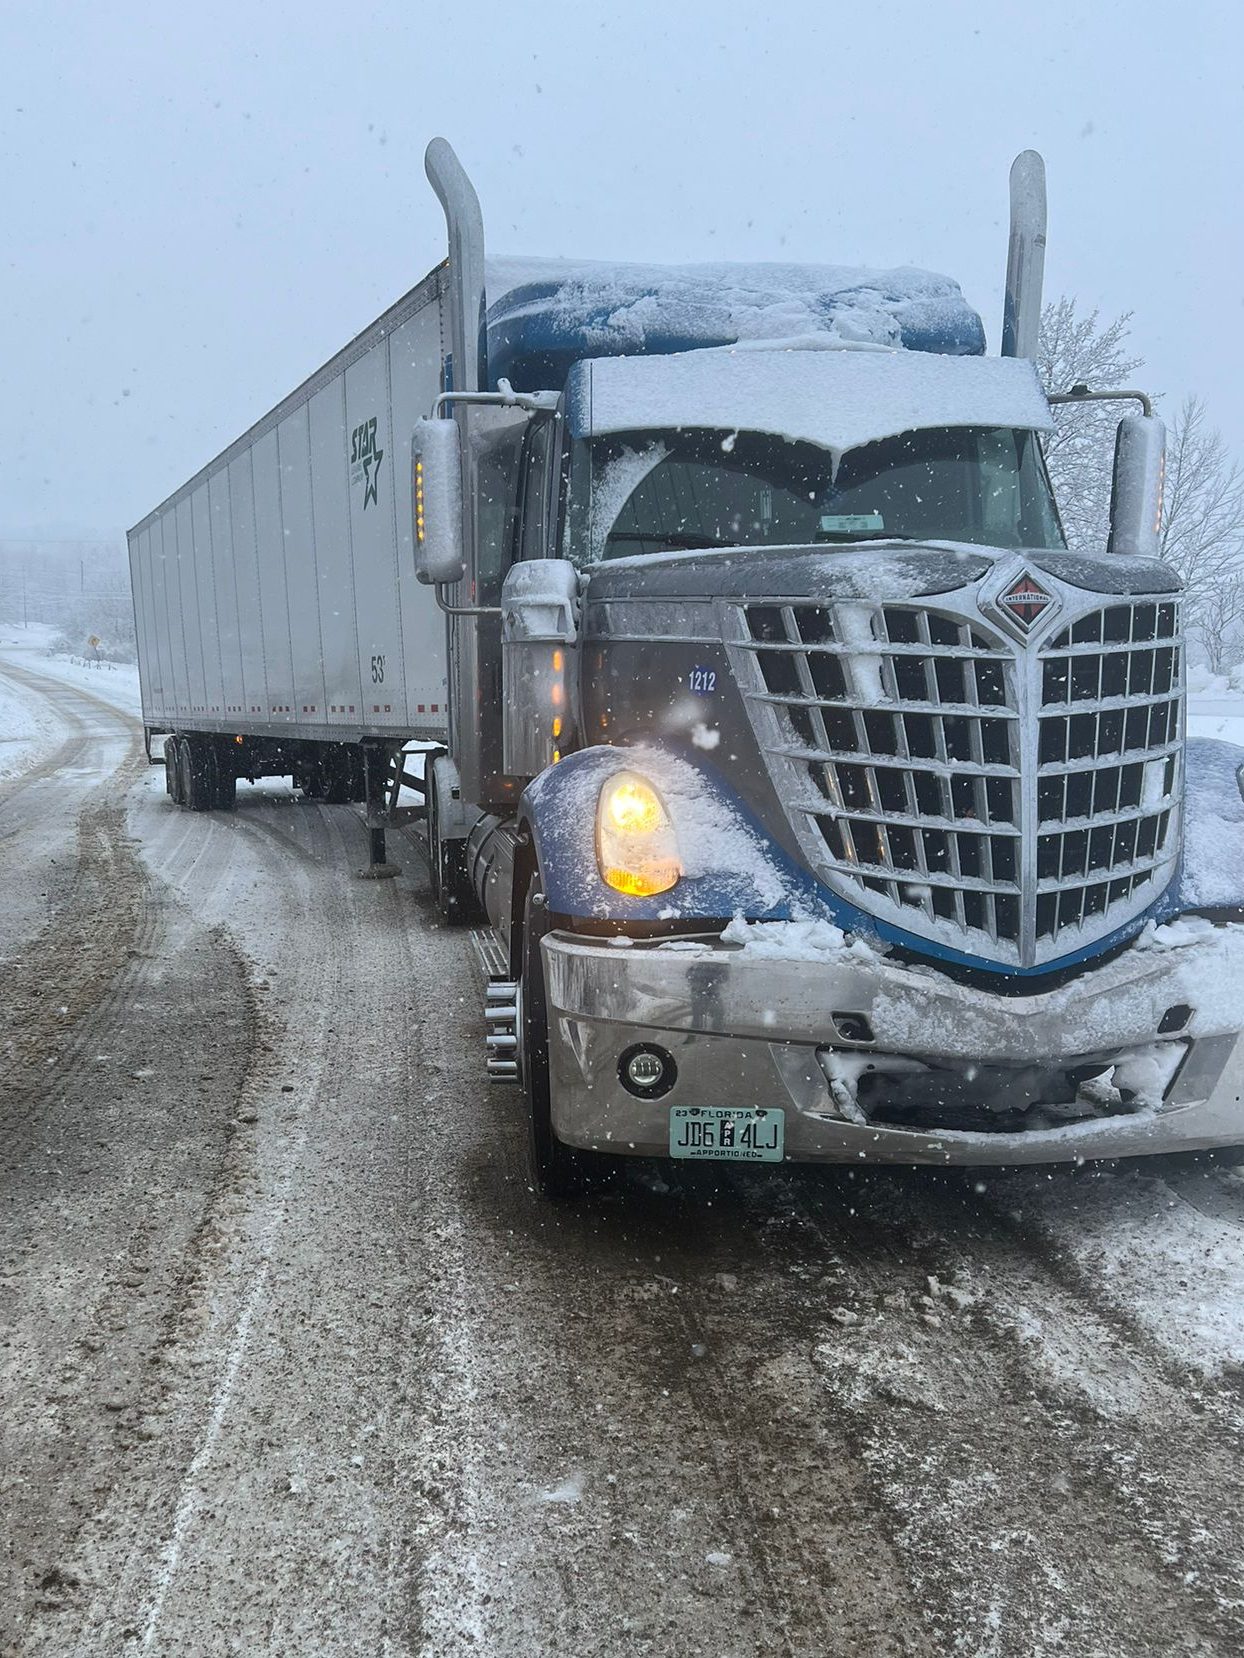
{"points": [[1026, 601], [365, 458], [371, 477]]}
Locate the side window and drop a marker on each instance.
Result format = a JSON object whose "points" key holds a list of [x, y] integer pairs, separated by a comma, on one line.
{"points": [[496, 451], [538, 493]]}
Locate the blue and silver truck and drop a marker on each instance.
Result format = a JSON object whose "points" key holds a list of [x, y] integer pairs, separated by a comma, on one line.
{"points": [[809, 799]]}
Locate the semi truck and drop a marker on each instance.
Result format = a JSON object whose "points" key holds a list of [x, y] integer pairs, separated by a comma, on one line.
{"points": [[808, 798]]}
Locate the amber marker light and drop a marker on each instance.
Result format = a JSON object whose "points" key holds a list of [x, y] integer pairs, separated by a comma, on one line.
{"points": [[419, 498], [636, 848]]}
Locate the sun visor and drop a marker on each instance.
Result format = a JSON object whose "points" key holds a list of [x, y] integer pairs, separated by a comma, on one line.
{"points": [[837, 399]]}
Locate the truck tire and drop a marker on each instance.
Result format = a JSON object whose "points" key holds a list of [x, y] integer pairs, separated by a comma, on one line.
{"points": [[557, 1171], [447, 863]]}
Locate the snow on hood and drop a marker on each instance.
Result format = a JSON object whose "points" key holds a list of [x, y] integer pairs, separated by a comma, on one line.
{"points": [[837, 399]]}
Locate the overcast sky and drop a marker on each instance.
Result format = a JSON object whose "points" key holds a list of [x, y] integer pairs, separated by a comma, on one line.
{"points": [[199, 208]]}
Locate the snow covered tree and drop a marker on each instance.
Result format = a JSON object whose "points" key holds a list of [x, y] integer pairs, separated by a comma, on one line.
{"points": [[1203, 531], [1217, 620], [1081, 350]]}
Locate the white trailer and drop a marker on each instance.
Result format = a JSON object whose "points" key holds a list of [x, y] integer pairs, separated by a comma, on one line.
{"points": [[280, 625]]}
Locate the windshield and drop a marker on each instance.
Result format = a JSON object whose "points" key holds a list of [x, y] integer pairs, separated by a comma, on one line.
{"points": [[642, 493]]}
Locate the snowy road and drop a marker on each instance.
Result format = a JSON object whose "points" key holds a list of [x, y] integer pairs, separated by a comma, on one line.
{"points": [[293, 1363]]}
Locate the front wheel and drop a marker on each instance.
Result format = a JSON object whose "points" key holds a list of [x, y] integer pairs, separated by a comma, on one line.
{"points": [[557, 1171]]}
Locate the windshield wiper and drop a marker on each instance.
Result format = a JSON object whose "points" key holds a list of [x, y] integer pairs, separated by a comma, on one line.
{"points": [[684, 542], [864, 535]]}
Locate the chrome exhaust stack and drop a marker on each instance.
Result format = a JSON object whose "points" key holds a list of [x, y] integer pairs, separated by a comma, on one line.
{"points": [[464, 224], [1025, 258]]}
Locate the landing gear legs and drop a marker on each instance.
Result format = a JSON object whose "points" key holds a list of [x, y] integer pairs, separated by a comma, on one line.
{"points": [[376, 765]]}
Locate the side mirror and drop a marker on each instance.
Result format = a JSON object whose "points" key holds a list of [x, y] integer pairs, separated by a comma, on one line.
{"points": [[1136, 495], [436, 501]]}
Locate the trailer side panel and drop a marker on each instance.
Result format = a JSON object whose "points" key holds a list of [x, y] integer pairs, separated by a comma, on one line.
{"points": [[275, 592]]}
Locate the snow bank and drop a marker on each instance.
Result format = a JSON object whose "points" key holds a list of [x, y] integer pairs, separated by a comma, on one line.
{"points": [[29, 729], [112, 682], [1213, 869]]}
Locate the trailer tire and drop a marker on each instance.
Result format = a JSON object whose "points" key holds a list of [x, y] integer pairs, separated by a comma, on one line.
{"points": [[557, 1171], [183, 773], [174, 781], [337, 777], [226, 796], [201, 773]]}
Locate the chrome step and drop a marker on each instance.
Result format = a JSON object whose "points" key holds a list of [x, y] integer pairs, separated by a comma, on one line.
{"points": [[489, 953], [501, 1017]]}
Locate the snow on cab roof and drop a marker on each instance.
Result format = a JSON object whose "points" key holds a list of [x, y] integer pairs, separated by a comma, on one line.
{"points": [[545, 314], [837, 399]]}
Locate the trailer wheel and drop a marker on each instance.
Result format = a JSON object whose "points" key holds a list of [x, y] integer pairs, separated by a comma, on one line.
{"points": [[557, 1171], [172, 770], [337, 777], [182, 764], [201, 773], [447, 863], [226, 796]]}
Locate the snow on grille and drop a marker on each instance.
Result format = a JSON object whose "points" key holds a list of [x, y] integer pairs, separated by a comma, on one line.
{"points": [[1111, 727], [946, 778], [898, 728]]}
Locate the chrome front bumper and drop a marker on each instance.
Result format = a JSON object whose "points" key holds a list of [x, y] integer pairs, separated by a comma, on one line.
{"points": [[746, 1029]]}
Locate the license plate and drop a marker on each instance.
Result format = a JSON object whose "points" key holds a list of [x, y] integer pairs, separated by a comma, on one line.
{"points": [[725, 1133]]}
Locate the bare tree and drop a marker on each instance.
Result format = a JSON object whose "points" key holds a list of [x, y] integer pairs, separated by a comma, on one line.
{"points": [[1081, 350], [1203, 516], [1218, 621], [1203, 520]]}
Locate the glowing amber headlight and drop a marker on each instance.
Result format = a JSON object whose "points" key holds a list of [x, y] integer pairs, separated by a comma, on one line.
{"points": [[635, 844]]}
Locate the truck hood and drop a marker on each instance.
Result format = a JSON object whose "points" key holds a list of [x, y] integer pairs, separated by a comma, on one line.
{"points": [[879, 570]]}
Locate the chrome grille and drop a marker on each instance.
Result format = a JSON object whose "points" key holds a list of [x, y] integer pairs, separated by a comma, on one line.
{"points": [[955, 782], [1111, 725]]}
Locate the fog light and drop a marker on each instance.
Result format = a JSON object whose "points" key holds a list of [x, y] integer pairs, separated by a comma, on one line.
{"points": [[647, 1071]]}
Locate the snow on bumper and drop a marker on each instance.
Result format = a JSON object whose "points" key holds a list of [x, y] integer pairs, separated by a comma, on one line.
{"points": [[753, 1026]]}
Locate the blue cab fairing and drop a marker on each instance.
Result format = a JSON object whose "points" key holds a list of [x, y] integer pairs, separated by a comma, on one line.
{"points": [[758, 880]]}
